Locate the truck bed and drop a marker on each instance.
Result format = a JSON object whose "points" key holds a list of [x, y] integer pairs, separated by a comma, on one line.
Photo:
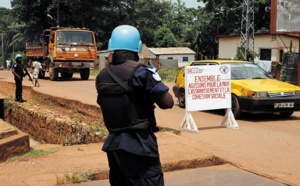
{"points": [[34, 49]]}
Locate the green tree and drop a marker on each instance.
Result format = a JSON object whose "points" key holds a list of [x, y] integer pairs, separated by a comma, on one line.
{"points": [[196, 28], [262, 15], [165, 38], [197, 36], [100, 16], [226, 20], [148, 16], [11, 32], [4, 22], [179, 19], [16, 37], [251, 55]]}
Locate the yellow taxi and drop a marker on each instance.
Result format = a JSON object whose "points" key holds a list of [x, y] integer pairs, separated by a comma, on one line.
{"points": [[252, 89]]}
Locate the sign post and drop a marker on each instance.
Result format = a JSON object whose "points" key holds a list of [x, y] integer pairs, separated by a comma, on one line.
{"points": [[207, 88], [229, 120]]}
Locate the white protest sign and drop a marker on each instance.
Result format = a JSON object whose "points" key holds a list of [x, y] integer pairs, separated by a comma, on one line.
{"points": [[207, 87]]}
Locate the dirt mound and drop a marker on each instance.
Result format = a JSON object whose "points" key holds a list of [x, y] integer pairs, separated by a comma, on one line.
{"points": [[59, 104]]}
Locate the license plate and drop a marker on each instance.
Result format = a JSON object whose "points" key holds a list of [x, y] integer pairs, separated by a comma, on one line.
{"points": [[76, 64], [284, 105]]}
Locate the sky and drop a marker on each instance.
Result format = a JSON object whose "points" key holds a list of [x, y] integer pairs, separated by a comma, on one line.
{"points": [[188, 3], [5, 3]]}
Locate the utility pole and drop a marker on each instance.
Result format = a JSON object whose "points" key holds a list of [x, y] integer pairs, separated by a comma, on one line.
{"points": [[247, 29], [2, 51]]}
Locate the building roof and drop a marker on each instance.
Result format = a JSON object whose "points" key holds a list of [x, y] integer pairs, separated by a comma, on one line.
{"points": [[146, 53], [172, 50], [258, 34]]}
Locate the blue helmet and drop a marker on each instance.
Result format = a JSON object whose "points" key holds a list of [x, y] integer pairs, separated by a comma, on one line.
{"points": [[17, 56], [125, 37]]}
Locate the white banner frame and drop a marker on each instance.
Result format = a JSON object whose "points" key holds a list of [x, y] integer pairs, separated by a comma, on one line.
{"points": [[188, 123]]}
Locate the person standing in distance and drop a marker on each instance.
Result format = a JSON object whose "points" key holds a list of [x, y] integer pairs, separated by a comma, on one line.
{"points": [[127, 94], [18, 72], [8, 63], [37, 66]]}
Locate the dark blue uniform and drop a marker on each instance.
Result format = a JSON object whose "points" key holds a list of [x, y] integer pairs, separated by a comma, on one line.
{"points": [[132, 154], [18, 69]]}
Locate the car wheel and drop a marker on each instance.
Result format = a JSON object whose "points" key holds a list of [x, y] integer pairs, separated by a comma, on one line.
{"points": [[181, 98], [286, 114], [235, 106]]}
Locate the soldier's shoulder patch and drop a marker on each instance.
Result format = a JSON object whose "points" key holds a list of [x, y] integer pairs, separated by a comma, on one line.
{"points": [[155, 75]]}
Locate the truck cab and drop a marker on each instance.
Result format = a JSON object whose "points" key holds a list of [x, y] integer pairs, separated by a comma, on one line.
{"points": [[65, 51]]}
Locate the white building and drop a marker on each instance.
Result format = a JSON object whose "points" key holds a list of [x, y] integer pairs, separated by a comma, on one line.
{"points": [[146, 56], [182, 54], [267, 46]]}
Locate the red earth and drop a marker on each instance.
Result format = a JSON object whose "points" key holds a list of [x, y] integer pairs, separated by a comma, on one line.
{"points": [[264, 143]]}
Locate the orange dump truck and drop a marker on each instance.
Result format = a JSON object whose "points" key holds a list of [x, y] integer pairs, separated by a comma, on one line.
{"points": [[64, 51]]}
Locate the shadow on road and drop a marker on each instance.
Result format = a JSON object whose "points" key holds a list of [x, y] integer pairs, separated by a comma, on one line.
{"points": [[263, 117], [68, 79]]}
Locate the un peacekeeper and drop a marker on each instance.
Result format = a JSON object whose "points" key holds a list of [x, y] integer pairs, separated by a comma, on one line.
{"points": [[131, 145], [18, 72]]}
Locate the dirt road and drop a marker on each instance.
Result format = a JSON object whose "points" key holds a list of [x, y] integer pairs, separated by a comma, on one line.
{"points": [[264, 143]]}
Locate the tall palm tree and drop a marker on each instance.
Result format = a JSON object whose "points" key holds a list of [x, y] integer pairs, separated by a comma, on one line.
{"points": [[16, 36], [12, 31]]}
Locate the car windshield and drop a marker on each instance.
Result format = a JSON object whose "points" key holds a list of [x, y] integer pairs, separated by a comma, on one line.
{"points": [[74, 38], [247, 71]]}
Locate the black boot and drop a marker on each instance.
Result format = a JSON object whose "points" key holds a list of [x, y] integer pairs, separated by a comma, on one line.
{"points": [[21, 100]]}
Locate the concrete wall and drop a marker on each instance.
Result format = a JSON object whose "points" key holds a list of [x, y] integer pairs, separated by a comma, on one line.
{"points": [[179, 58], [168, 63]]}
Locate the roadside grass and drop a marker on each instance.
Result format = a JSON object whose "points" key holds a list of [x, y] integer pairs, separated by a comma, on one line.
{"points": [[167, 75], [99, 128], [75, 177], [94, 72], [32, 154]]}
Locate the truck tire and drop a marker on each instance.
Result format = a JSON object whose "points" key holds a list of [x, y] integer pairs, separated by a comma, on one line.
{"points": [[41, 74], [53, 73], [66, 74], [85, 74]]}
